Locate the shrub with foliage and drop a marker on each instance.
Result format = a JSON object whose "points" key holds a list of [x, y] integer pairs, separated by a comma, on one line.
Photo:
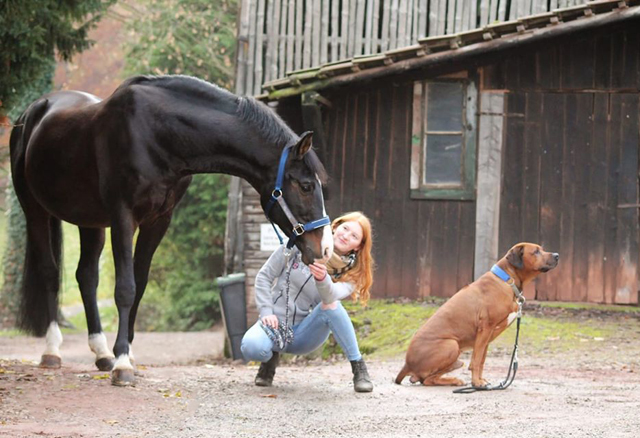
{"points": [[192, 37], [182, 292]]}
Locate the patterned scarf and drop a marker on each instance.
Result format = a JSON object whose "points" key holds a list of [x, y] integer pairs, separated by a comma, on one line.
{"points": [[338, 265]]}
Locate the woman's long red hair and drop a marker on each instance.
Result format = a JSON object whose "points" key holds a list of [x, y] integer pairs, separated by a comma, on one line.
{"points": [[361, 275]]}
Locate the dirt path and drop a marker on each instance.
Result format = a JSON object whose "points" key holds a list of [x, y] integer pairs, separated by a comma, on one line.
{"points": [[196, 394]]}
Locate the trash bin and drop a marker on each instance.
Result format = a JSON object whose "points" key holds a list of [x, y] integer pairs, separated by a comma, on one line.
{"points": [[234, 310]]}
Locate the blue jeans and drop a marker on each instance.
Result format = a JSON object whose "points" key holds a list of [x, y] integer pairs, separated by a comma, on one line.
{"points": [[310, 334]]}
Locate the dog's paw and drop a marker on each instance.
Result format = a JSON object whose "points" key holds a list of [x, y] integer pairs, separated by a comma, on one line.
{"points": [[480, 383]]}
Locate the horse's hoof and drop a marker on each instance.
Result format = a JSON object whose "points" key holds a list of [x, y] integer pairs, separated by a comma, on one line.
{"points": [[105, 363], [50, 361], [123, 378]]}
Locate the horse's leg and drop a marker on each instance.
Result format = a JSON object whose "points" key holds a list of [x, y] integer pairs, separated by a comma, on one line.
{"points": [[49, 258], [91, 244], [149, 238], [122, 230]]}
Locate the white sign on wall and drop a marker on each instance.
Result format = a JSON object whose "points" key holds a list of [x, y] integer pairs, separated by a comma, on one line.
{"points": [[268, 239]]}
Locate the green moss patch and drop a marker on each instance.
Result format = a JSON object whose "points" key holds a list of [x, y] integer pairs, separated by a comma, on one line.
{"points": [[384, 328]]}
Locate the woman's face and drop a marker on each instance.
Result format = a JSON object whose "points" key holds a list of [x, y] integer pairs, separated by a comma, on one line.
{"points": [[347, 237]]}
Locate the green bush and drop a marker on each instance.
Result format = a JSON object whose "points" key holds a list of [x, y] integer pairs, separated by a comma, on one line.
{"points": [[182, 294]]}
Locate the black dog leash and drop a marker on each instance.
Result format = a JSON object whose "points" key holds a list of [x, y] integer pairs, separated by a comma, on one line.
{"points": [[511, 375]]}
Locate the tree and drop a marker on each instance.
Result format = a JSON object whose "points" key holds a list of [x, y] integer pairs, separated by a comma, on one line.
{"points": [[192, 37], [197, 38], [13, 257], [32, 31]]}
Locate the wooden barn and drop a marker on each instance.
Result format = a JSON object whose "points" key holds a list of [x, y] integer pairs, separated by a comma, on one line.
{"points": [[462, 144]]}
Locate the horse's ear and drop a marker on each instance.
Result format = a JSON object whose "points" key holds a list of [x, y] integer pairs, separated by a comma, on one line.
{"points": [[304, 144], [515, 255]]}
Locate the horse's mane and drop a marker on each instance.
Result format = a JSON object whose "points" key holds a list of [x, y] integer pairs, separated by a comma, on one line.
{"points": [[249, 110], [275, 130]]}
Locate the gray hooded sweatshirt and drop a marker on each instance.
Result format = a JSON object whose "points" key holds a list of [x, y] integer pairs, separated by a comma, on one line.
{"points": [[304, 291]]}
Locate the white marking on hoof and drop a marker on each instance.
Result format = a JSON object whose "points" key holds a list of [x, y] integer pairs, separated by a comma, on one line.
{"points": [[133, 359], [511, 317], [98, 344], [123, 363], [54, 340]]}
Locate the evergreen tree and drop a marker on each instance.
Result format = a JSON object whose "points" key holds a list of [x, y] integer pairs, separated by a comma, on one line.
{"points": [[13, 257], [31, 32]]}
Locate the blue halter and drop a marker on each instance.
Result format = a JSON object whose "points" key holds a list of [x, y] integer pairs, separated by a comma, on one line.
{"points": [[276, 196]]}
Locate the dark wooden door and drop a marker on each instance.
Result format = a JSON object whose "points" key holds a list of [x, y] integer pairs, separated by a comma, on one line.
{"points": [[570, 182]]}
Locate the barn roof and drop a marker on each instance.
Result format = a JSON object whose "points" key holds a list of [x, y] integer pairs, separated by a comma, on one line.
{"points": [[440, 53]]}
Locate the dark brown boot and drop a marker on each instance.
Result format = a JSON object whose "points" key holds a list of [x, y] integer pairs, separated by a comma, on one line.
{"points": [[267, 371], [361, 379]]}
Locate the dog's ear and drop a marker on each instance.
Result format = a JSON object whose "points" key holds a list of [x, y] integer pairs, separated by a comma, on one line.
{"points": [[514, 257]]}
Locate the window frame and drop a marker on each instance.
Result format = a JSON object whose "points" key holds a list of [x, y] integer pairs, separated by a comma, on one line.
{"points": [[418, 188]]}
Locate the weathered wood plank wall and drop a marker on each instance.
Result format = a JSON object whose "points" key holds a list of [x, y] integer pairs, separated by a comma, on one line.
{"points": [[279, 36], [421, 247], [570, 164]]}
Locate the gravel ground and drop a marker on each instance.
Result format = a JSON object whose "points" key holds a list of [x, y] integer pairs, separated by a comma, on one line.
{"points": [[194, 393]]}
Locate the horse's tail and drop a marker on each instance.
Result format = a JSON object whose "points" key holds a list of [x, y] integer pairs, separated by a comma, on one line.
{"points": [[40, 283], [402, 374]]}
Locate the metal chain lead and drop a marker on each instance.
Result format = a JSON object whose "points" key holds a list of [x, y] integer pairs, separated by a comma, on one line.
{"points": [[287, 333], [283, 335]]}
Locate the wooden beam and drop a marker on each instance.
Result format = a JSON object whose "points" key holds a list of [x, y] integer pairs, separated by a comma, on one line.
{"points": [[489, 180]]}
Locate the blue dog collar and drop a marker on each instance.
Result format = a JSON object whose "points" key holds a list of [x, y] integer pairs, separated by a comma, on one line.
{"points": [[500, 273]]}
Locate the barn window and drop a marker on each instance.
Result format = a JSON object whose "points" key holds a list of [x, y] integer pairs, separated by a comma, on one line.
{"points": [[443, 139]]}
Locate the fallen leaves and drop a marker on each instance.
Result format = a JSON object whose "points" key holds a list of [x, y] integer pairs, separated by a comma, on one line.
{"points": [[166, 393], [101, 376], [26, 378]]}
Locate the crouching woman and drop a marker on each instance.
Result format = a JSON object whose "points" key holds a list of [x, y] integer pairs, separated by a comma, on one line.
{"points": [[313, 309]]}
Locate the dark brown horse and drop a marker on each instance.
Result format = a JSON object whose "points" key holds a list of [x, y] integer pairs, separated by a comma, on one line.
{"points": [[125, 163]]}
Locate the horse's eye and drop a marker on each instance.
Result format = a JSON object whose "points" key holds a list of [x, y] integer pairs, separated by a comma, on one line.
{"points": [[306, 187]]}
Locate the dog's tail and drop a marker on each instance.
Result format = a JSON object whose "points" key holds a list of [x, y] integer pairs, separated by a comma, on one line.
{"points": [[402, 374]]}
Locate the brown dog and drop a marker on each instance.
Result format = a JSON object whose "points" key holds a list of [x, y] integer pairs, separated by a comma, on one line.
{"points": [[472, 318]]}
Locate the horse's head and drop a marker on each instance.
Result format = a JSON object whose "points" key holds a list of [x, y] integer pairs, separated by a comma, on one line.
{"points": [[302, 182]]}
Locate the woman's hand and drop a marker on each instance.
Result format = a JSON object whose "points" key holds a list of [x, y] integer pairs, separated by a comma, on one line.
{"points": [[270, 321], [318, 270], [330, 306]]}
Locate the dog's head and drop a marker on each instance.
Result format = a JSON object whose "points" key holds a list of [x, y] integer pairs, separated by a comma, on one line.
{"points": [[530, 260]]}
